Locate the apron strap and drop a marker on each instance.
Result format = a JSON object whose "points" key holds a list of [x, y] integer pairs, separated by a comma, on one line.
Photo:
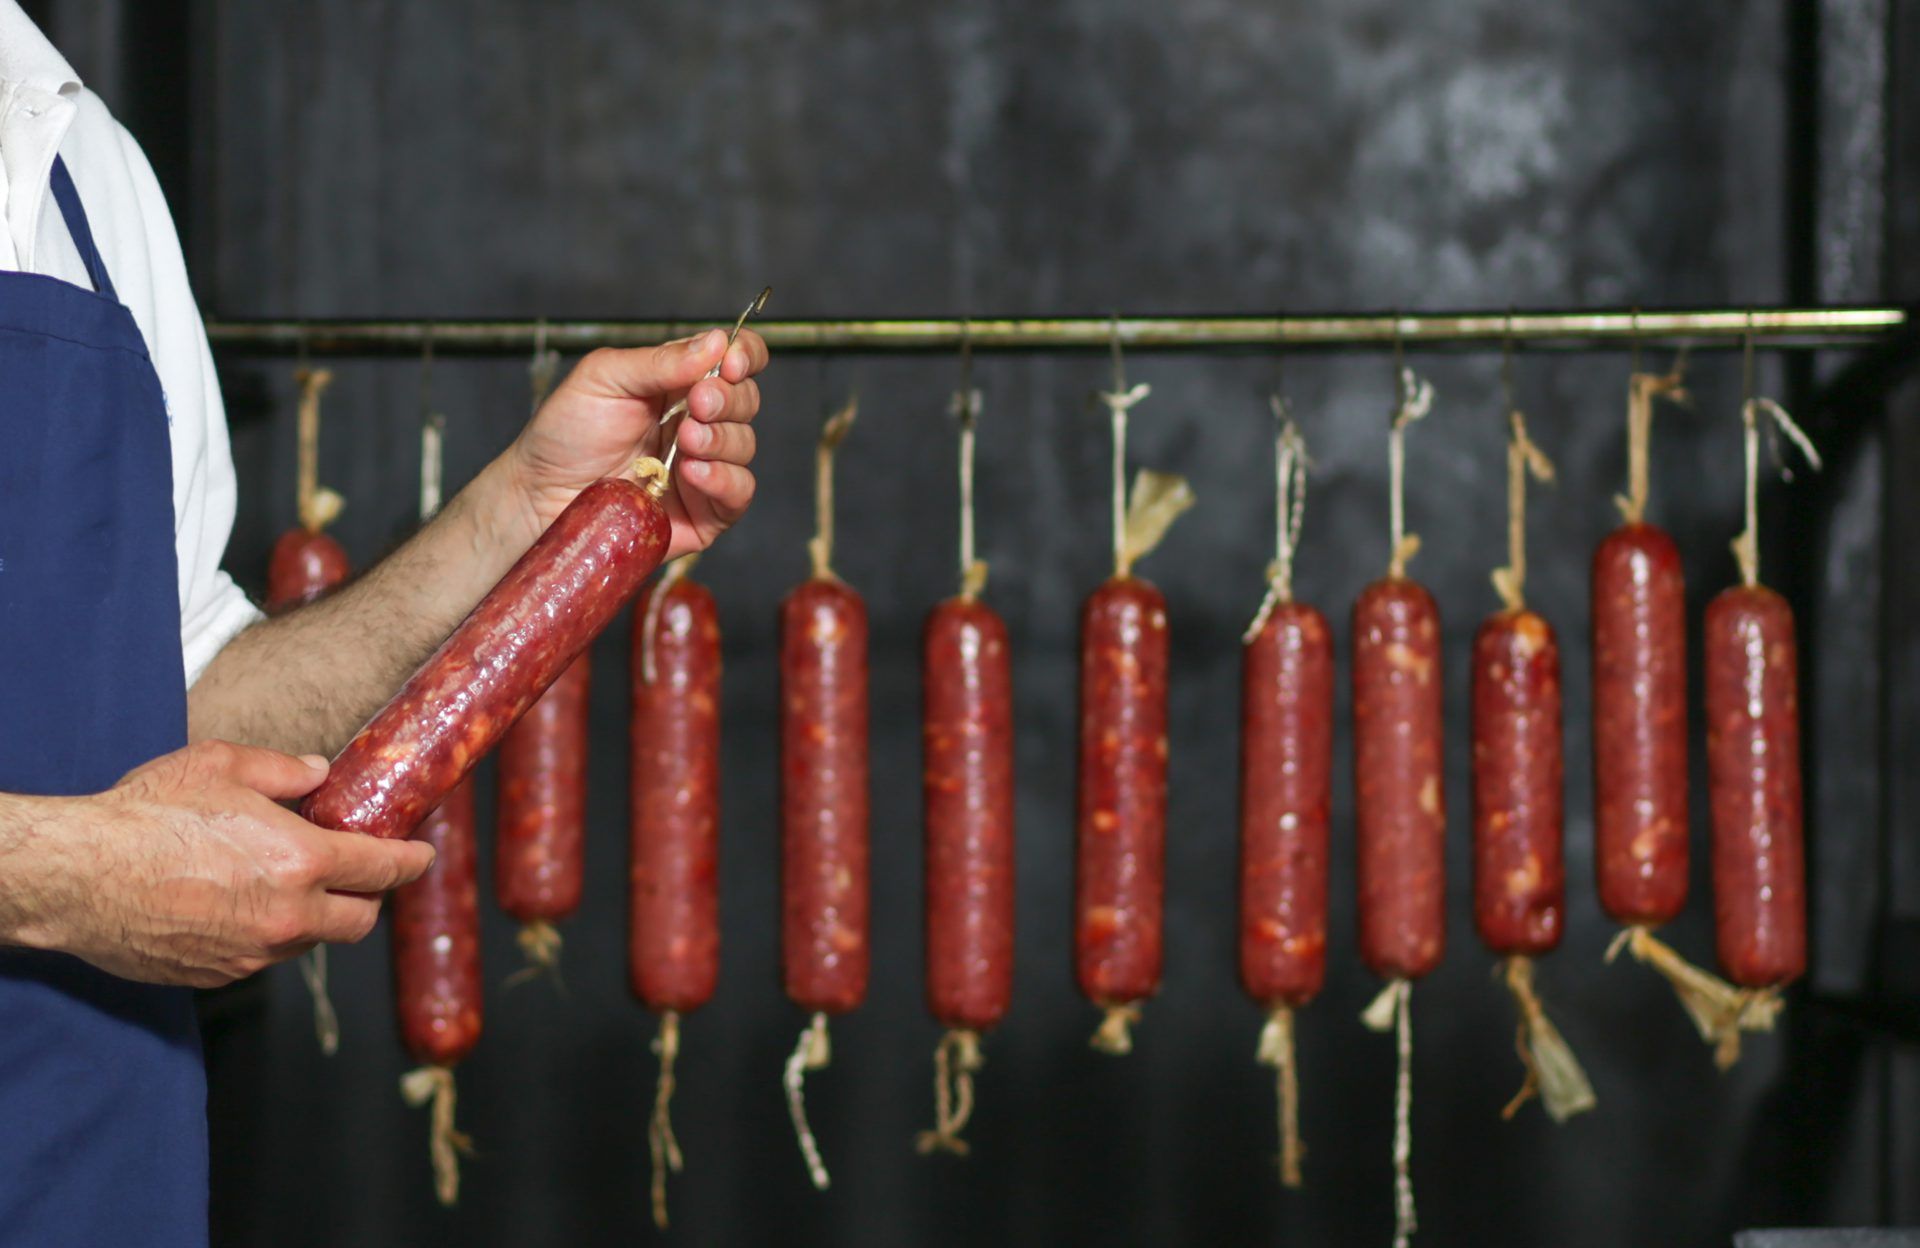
{"points": [[69, 200]]}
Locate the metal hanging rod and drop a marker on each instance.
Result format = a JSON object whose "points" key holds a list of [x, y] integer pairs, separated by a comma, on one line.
{"points": [[1613, 329]]}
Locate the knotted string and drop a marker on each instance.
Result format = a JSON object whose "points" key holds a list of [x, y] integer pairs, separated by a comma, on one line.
{"points": [[955, 1061], [1276, 1050], [1746, 547], [1552, 1070], [661, 1144], [326, 1021], [1289, 510], [1642, 390], [1720, 1011], [1414, 401], [813, 1052], [540, 942], [1392, 1010], [1523, 457], [973, 570], [316, 505], [445, 1144], [832, 432], [1114, 1036]]}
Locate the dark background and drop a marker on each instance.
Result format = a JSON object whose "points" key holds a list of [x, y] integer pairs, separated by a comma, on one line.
{"points": [[595, 158]]}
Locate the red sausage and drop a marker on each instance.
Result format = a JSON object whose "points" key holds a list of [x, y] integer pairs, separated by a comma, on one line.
{"points": [[539, 860], [823, 797], [967, 730], [524, 633], [1121, 834], [1640, 726], [1286, 782], [1753, 770], [1519, 874], [674, 945], [1400, 812], [304, 565], [436, 940]]}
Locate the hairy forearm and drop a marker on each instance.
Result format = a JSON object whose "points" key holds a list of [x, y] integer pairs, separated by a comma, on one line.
{"points": [[304, 682], [31, 847]]}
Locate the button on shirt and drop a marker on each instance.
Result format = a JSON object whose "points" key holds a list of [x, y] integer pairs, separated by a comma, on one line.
{"points": [[43, 111]]}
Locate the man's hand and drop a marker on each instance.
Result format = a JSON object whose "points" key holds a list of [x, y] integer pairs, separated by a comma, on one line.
{"points": [[189, 871], [604, 415]]}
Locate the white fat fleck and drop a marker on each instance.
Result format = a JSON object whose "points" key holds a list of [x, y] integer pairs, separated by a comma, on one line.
{"points": [[443, 943]]}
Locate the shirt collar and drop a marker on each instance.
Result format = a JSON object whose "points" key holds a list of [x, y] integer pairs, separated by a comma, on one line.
{"points": [[27, 58]]}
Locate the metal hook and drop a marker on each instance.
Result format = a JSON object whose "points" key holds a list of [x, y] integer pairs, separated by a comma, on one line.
{"points": [[667, 432]]}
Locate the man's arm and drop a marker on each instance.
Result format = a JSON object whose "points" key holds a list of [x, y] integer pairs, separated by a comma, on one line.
{"points": [[306, 681]]}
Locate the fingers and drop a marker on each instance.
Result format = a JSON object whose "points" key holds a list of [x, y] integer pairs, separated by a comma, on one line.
{"points": [[712, 401], [344, 920], [728, 487], [647, 372], [747, 356], [366, 864], [728, 443], [267, 772]]}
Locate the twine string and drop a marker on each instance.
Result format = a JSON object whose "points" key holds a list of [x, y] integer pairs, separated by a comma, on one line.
{"points": [[445, 1144], [833, 431], [326, 1020], [956, 1059], [813, 1052], [1414, 401], [1523, 459], [1277, 1051], [662, 1147]]}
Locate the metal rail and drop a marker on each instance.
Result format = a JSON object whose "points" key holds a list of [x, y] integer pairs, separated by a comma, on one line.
{"points": [[1602, 329]]}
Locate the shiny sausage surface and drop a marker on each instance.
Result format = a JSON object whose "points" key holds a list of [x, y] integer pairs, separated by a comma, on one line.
{"points": [[1121, 831], [436, 940], [539, 859], [967, 735], [516, 642], [303, 566], [1286, 782], [1640, 725], [1753, 768], [674, 942], [1519, 869], [1400, 812], [823, 797]]}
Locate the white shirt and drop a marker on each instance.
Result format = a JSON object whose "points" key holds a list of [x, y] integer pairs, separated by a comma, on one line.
{"points": [[43, 110]]}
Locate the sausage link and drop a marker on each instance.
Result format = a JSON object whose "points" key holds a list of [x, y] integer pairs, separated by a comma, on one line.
{"points": [[1400, 812], [967, 731], [303, 566], [1519, 871], [1640, 726], [823, 799], [539, 858], [1121, 834], [515, 643], [436, 940], [1753, 770], [1286, 782], [674, 944]]}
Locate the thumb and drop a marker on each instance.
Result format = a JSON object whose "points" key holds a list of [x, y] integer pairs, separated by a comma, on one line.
{"points": [[267, 772], [647, 372]]}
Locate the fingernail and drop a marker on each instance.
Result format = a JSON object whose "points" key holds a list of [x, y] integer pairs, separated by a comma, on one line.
{"points": [[705, 343], [314, 761]]}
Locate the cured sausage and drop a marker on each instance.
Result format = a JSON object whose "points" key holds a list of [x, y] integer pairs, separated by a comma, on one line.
{"points": [[1519, 876], [1286, 764], [1121, 830], [967, 728], [1640, 726], [517, 641], [539, 860], [1753, 767], [823, 797], [1400, 815], [304, 565], [436, 940], [674, 942]]}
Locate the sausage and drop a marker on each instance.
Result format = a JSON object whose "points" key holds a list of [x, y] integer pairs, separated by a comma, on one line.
{"points": [[823, 796], [539, 863], [674, 942], [1640, 726], [1286, 781], [967, 732], [1121, 830], [523, 634], [303, 566], [1400, 813], [1519, 872], [1753, 771], [436, 940]]}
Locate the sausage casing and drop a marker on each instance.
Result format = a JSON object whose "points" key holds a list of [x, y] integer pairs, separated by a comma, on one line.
{"points": [[1640, 725], [303, 566], [1286, 781], [515, 643], [967, 734], [1753, 770], [674, 942], [1519, 869], [1400, 813], [539, 859], [1121, 831], [436, 940], [823, 796]]}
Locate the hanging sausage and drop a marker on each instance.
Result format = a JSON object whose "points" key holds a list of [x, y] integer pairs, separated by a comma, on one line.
{"points": [[1400, 815], [1519, 869], [674, 942], [305, 564], [522, 635], [823, 797], [1286, 782], [539, 859], [967, 736], [1753, 763], [1120, 863], [436, 937]]}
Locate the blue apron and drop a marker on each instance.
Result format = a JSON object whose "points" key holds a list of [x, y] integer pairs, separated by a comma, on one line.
{"points": [[102, 1091]]}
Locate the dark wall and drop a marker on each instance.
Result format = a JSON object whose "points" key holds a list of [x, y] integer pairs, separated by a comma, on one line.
{"points": [[594, 158]]}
